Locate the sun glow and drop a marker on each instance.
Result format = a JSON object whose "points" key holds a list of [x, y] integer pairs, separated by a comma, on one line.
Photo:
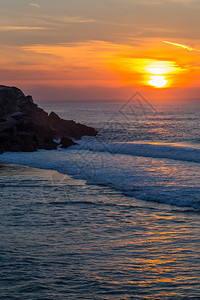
{"points": [[157, 72], [158, 81], [160, 67]]}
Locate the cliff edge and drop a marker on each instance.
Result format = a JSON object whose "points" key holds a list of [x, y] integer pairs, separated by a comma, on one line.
{"points": [[26, 127]]}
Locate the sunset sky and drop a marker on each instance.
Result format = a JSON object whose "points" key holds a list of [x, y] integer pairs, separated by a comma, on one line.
{"points": [[85, 49]]}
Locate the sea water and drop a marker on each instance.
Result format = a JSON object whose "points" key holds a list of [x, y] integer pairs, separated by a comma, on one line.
{"points": [[151, 152], [125, 225]]}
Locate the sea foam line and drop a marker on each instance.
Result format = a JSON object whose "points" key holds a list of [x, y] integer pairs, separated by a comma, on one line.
{"points": [[167, 151]]}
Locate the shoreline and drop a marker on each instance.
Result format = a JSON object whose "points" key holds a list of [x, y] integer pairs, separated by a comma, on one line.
{"points": [[21, 171]]}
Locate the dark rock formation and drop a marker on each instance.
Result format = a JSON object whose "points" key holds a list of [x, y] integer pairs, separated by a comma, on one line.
{"points": [[26, 127], [66, 142]]}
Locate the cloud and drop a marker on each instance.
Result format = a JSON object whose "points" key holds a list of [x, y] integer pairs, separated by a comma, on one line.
{"points": [[77, 20], [34, 5], [181, 46], [68, 19], [13, 28], [183, 1]]}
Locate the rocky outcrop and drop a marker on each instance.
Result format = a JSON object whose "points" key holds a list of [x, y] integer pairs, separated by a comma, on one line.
{"points": [[26, 127]]}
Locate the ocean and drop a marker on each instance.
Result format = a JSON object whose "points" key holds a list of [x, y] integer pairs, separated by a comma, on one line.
{"points": [[115, 217]]}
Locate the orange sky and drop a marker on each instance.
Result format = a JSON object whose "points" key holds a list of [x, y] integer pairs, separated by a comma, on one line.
{"points": [[91, 49]]}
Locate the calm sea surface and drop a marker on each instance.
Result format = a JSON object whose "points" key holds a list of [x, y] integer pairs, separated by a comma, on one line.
{"points": [[116, 217]]}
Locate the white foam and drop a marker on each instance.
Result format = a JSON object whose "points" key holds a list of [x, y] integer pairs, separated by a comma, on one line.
{"points": [[189, 153], [162, 180]]}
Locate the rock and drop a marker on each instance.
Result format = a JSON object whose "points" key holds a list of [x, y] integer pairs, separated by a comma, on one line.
{"points": [[26, 127], [10, 99], [4, 137], [66, 142], [53, 117], [7, 125]]}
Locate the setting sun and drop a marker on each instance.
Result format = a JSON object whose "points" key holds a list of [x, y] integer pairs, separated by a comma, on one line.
{"points": [[160, 67], [149, 72], [158, 81], [157, 72]]}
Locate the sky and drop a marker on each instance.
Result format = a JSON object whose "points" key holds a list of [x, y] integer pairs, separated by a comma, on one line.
{"points": [[92, 49]]}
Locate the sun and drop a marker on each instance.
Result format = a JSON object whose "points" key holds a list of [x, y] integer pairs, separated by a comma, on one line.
{"points": [[158, 81], [157, 72], [160, 67]]}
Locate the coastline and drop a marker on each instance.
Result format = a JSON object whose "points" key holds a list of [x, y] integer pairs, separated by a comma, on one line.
{"points": [[103, 169], [57, 235], [25, 127], [15, 175]]}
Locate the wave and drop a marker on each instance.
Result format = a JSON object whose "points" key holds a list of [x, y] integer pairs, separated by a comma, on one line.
{"points": [[181, 152], [162, 173]]}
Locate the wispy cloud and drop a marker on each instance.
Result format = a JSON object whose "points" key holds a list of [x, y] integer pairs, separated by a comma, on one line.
{"points": [[12, 28], [184, 1], [34, 4], [189, 48], [68, 19], [78, 20]]}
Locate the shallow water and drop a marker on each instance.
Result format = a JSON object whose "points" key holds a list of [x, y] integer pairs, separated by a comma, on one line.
{"points": [[63, 239], [152, 179]]}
